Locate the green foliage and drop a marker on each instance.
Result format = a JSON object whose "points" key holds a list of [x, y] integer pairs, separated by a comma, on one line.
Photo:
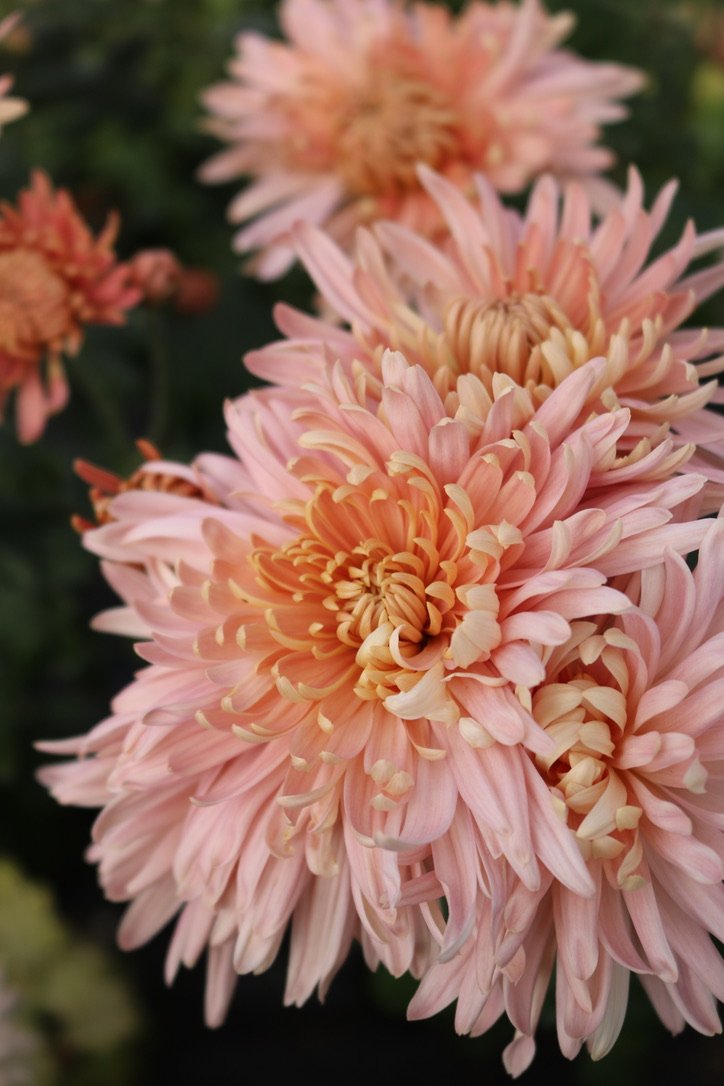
{"points": [[79, 1009]]}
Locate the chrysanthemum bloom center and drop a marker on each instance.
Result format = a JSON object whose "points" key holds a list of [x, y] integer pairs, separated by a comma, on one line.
{"points": [[386, 128], [385, 584], [597, 751], [367, 598], [34, 305], [504, 336]]}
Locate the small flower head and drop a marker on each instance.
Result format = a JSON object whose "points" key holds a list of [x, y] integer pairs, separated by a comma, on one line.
{"points": [[162, 279], [55, 277], [332, 123], [156, 273]]}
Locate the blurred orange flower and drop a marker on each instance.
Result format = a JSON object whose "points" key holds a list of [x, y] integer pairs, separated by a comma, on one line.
{"points": [[55, 277]]}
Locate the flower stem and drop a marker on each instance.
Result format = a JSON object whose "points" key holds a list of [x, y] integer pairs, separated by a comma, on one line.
{"points": [[158, 359]]}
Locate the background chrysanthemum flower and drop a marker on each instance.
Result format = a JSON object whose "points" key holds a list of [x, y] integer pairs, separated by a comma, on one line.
{"points": [[335, 717], [633, 706], [10, 108], [332, 123], [151, 475], [532, 296], [55, 277]]}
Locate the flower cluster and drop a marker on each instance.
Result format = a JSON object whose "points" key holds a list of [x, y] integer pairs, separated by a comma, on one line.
{"points": [[347, 625], [425, 666]]}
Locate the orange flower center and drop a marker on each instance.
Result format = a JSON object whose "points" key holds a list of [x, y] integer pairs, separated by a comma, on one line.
{"points": [[383, 584], [393, 124], [525, 336], [504, 336], [34, 306], [369, 603]]}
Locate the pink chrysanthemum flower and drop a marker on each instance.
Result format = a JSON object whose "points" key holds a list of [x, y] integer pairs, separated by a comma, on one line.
{"points": [[332, 123], [55, 277], [532, 296], [340, 649], [10, 108], [633, 706]]}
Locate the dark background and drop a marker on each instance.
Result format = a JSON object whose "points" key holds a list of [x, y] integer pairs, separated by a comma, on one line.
{"points": [[113, 87]]}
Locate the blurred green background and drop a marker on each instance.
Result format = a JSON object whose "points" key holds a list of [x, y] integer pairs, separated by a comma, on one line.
{"points": [[113, 87]]}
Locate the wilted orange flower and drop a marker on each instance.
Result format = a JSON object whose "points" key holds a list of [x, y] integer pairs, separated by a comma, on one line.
{"points": [[55, 277], [198, 292], [332, 123]]}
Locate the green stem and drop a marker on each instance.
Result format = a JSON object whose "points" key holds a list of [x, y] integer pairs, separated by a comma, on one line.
{"points": [[103, 406], [157, 420]]}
